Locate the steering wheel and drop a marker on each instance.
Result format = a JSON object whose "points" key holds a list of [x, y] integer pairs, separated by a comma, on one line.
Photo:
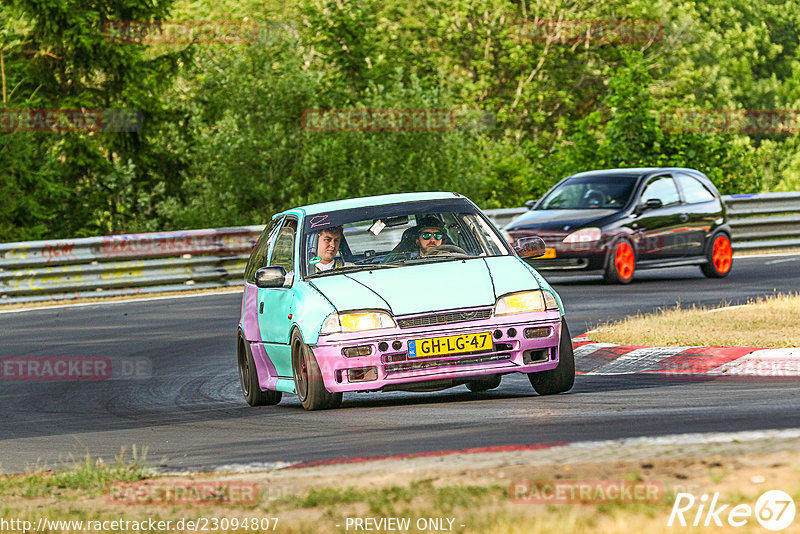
{"points": [[448, 248]]}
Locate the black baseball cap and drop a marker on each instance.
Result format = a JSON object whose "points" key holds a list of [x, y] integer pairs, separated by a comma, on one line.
{"points": [[429, 221]]}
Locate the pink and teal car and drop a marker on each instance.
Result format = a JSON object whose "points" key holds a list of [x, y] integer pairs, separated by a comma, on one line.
{"points": [[411, 292]]}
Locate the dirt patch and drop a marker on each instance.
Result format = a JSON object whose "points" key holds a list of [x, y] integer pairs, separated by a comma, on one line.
{"points": [[466, 493]]}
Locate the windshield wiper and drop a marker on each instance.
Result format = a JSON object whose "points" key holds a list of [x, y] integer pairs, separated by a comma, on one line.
{"points": [[431, 259], [351, 269]]}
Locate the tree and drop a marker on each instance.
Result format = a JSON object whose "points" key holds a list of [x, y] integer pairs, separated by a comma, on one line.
{"points": [[60, 59], [631, 136]]}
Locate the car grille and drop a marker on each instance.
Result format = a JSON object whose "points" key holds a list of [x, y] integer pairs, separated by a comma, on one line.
{"points": [[438, 364], [444, 318]]}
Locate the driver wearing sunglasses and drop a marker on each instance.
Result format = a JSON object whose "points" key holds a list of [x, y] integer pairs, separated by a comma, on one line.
{"points": [[430, 235]]}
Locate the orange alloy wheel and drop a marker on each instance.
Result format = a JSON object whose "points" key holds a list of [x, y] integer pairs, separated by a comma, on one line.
{"points": [[722, 254], [623, 259]]}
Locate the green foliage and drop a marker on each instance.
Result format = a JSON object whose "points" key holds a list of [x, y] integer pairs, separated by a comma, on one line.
{"points": [[56, 56], [633, 137], [223, 143], [29, 187], [253, 157]]}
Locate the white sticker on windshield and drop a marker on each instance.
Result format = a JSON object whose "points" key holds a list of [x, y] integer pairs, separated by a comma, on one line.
{"points": [[377, 226]]}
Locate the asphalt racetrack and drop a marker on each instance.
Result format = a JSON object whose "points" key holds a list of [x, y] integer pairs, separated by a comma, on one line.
{"points": [[191, 414]]}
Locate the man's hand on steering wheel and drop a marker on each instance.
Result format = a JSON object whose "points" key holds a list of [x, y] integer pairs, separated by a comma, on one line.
{"points": [[448, 249]]}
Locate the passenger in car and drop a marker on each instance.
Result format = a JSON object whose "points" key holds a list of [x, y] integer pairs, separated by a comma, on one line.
{"points": [[327, 249]]}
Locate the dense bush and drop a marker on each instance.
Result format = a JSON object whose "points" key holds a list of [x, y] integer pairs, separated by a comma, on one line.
{"points": [[223, 144]]}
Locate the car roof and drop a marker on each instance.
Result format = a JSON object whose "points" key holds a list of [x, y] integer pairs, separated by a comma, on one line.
{"points": [[379, 200], [638, 171]]}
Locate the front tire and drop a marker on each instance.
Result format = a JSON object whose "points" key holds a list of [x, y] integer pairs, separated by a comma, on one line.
{"points": [[248, 378], [720, 257], [621, 263], [308, 381], [562, 378]]}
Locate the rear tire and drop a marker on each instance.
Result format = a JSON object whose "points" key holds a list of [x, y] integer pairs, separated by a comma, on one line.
{"points": [[720, 257], [621, 263], [248, 378], [308, 381], [491, 382], [562, 378]]}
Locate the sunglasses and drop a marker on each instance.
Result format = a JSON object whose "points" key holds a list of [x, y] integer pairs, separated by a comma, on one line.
{"points": [[428, 235]]}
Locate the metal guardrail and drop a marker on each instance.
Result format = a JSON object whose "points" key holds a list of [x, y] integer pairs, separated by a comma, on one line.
{"points": [[124, 264], [764, 221], [166, 261]]}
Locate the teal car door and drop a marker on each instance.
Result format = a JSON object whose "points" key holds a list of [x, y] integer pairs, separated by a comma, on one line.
{"points": [[275, 304]]}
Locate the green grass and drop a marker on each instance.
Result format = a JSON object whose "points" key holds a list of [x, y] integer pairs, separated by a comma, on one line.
{"points": [[388, 500], [768, 322], [90, 475]]}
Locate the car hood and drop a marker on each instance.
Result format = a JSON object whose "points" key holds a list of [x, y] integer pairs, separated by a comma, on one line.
{"points": [[427, 288], [558, 219]]}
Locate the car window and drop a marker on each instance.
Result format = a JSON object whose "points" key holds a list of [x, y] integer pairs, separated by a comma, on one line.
{"points": [[393, 236], [694, 191], [462, 231], [662, 188], [283, 250], [258, 258], [590, 192]]}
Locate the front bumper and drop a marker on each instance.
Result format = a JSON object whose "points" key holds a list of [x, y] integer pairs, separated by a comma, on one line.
{"points": [[578, 257], [391, 367]]}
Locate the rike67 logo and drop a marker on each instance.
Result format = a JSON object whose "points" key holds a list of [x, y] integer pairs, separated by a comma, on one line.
{"points": [[774, 510]]}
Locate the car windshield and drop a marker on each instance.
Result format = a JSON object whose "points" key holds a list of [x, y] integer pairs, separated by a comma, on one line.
{"points": [[590, 192], [397, 235]]}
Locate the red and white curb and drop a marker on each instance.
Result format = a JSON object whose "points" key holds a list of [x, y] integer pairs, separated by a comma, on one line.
{"points": [[609, 359], [597, 451]]}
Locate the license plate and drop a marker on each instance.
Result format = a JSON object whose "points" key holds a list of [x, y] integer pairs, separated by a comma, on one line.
{"points": [[548, 254], [436, 346]]}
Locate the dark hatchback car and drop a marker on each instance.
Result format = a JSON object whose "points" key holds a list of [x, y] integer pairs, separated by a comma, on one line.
{"points": [[620, 220]]}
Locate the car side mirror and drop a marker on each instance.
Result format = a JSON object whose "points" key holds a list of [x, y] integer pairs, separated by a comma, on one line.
{"points": [[530, 247], [649, 204], [530, 204], [270, 277]]}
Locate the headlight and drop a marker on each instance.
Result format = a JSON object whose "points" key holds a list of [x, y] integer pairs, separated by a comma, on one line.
{"points": [[357, 321], [550, 302], [584, 235], [522, 302]]}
